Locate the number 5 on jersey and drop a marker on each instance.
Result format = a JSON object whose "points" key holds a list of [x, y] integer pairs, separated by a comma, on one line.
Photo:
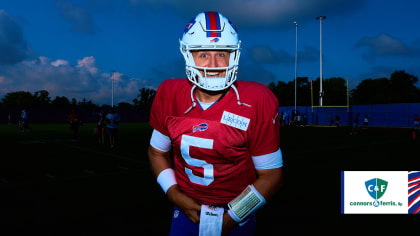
{"points": [[186, 142]]}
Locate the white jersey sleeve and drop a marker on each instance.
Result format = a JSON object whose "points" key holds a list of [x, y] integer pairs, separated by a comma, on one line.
{"points": [[160, 141]]}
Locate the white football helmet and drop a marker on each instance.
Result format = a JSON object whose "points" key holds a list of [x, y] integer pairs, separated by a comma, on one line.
{"points": [[210, 31]]}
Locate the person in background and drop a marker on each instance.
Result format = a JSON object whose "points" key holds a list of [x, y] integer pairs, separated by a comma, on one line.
{"points": [[75, 123], [355, 128], [24, 122], [283, 118], [9, 118], [366, 122], [100, 126], [112, 119]]}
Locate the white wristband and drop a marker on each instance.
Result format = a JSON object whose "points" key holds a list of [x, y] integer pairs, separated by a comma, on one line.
{"points": [[166, 179]]}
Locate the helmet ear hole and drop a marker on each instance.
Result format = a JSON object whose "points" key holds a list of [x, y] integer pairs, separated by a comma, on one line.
{"points": [[210, 31]]}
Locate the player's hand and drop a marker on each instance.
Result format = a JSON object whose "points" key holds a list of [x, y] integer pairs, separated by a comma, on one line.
{"points": [[189, 206], [228, 224]]}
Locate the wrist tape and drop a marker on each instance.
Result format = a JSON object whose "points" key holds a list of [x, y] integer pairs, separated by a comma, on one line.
{"points": [[245, 204]]}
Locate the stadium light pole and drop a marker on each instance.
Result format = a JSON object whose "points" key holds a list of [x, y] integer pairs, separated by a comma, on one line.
{"points": [[296, 63], [321, 93], [112, 86]]}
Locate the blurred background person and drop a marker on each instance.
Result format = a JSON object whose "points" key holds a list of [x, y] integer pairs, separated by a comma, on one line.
{"points": [[23, 121], [75, 123], [112, 119], [100, 126]]}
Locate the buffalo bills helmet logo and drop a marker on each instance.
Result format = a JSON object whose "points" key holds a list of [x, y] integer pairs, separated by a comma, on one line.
{"points": [[201, 127], [215, 40], [232, 26], [189, 25]]}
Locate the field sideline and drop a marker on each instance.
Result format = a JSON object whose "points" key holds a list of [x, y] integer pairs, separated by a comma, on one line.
{"points": [[52, 185]]}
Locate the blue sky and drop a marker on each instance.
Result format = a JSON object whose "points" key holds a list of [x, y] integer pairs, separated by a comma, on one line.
{"points": [[70, 47]]}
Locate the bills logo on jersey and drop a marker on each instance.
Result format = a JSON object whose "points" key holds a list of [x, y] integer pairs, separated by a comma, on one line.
{"points": [[201, 127], [414, 192]]}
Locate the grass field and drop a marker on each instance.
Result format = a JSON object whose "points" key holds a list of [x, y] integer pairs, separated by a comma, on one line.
{"points": [[51, 185]]}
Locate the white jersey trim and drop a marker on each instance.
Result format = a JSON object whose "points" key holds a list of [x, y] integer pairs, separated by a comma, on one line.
{"points": [[269, 161], [205, 105], [160, 141]]}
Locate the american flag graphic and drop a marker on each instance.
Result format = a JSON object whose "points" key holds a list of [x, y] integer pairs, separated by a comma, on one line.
{"points": [[414, 192]]}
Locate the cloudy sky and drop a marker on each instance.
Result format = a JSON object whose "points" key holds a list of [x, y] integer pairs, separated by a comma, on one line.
{"points": [[70, 47]]}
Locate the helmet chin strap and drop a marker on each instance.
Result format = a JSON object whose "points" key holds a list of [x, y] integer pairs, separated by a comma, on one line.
{"points": [[194, 103], [237, 97], [192, 99]]}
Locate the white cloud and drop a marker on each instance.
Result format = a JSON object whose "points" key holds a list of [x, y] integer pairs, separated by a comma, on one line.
{"points": [[44, 60], [88, 63], [60, 62], [60, 78]]}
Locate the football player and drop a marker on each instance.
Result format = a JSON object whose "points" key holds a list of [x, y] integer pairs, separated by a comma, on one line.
{"points": [[223, 133]]}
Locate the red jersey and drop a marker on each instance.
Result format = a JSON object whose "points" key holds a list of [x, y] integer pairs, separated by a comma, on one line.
{"points": [[73, 118], [213, 148]]}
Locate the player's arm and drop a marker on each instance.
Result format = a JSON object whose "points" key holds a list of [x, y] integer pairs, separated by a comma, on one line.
{"points": [[269, 169], [267, 184], [269, 181], [161, 164]]}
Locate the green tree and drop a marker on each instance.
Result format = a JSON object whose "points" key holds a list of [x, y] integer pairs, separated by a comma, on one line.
{"points": [[60, 101], [403, 88], [18, 99], [371, 91], [303, 94], [335, 92], [74, 102], [284, 92], [42, 98], [124, 105], [400, 88], [145, 98]]}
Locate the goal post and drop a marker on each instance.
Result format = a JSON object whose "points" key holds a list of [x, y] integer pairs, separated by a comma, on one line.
{"points": [[346, 106]]}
